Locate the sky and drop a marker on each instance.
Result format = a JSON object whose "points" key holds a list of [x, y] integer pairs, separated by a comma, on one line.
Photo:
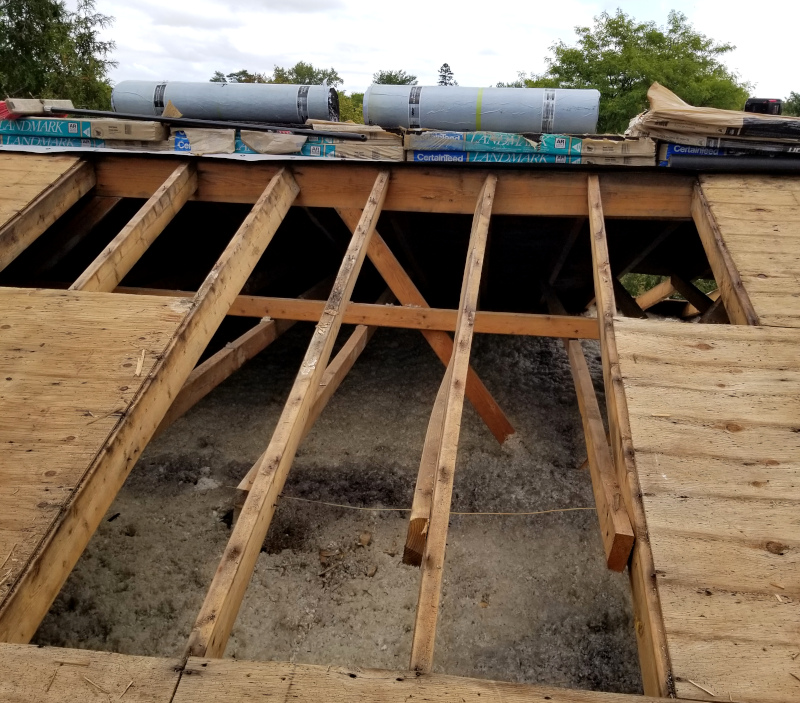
{"points": [[483, 42]]}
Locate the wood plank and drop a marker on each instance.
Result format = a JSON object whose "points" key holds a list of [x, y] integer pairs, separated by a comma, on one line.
{"points": [[563, 253], [418, 318], [430, 590], [331, 380], [407, 294], [31, 596], [714, 417], [655, 295], [642, 254], [77, 229], [62, 185], [615, 526], [419, 518], [414, 188], [229, 680], [737, 301], [207, 376], [625, 301], [692, 293], [122, 253], [30, 674], [69, 372], [759, 224], [653, 653], [690, 310], [218, 613]]}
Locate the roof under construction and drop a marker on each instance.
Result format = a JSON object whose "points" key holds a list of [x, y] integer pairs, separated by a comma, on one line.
{"points": [[109, 333]]}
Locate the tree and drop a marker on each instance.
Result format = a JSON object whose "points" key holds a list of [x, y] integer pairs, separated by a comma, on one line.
{"points": [[301, 73], [791, 106], [48, 51], [394, 78], [446, 75], [621, 58], [351, 107], [242, 76]]}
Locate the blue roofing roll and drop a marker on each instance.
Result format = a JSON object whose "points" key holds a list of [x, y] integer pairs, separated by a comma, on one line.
{"points": [[536, 110], [241, 102]]}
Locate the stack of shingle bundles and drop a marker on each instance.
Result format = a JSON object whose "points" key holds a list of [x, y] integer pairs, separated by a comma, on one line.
{"points": [[504, 147], [65, 132], [693, 135]]}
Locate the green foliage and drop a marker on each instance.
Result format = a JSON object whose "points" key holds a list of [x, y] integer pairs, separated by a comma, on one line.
{"points": [[393, 78], [301, 73], [446, 75], [48, 51], [791, 106], [638, 283], [351, 107], [621, 58], [242, 76]]}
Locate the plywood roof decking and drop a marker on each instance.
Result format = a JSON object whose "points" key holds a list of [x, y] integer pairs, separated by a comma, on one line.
{"points": [[759, 221], [715, 420], [70, 362], [25, 176], [31, 674]]}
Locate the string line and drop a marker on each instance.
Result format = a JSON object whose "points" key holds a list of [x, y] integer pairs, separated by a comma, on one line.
{"points": [[408, 510]]}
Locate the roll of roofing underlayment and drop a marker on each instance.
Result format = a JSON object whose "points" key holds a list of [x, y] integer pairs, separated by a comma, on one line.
{"points": [[520, 110], [245, 102]]}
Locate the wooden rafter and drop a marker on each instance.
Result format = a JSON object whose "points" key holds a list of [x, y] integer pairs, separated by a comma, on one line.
{"points": [[692, 293], [650, 635], [28, 601], [737, 301], [615, 526], [207, 376], [564, 252], [407, 293], [655, 295], [423, 492], [625, 301], [346, 185], [643, 253], [337, 369], [26, 226], [77, 229], [122, 253], [218, 614], [433, 558], [419, 318]]}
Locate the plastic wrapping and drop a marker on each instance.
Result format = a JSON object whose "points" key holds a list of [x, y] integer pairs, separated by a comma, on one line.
{"points": [[474, 109], [246, 102]]}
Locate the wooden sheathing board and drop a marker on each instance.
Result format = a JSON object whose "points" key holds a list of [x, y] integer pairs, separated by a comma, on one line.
{"points": [[715, 422], [31, 674], [758, 219], [72, 364], [34, 192], [25, 176]]}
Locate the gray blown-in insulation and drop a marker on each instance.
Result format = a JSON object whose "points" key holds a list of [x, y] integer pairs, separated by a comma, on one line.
{"points": [[240, 102], [489, 109]]}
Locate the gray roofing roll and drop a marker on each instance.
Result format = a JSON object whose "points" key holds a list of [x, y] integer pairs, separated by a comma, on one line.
{"points": [[243, 102], [564, 111]]}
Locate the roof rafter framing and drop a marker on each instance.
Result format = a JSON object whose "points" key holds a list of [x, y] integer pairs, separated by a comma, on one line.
{"points": [[138, 350]]}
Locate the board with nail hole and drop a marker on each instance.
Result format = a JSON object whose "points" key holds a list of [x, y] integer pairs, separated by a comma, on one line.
{"points": [[715, 423], [71, 364]]}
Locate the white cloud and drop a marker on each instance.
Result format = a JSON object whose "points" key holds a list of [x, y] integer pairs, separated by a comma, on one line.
{"points": [[483, 43]]}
